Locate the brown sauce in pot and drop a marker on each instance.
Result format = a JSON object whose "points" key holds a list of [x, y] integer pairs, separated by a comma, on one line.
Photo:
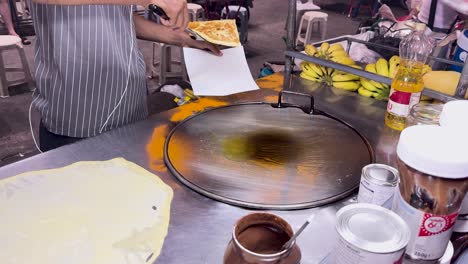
{"points": [[258, 238], [263, 239]]}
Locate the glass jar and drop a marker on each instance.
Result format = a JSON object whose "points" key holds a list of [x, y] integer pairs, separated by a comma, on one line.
{"points": [[433, 168], [424, 114], [257, 239]]}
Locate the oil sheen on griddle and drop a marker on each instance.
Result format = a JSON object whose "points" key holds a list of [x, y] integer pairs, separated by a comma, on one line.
{"points": [[266, 146]]}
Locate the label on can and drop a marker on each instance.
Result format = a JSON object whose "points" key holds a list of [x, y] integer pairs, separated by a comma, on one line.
{"points": [[400, 103], [375, 194], [346, 253], [430, 233]]}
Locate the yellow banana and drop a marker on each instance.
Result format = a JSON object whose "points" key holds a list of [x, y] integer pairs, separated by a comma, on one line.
{"points": [[393, 66], [368, 85], [342, 72], [338, 54], [364, 92], [349, 86], [320, 70], [312, 74], [324, 47], [381, 67], [335, 47], [392, 70], [307, 70], [310, 50], [344, 77], [305, 66], [330, 71], [313, 70], [355, 66], [308, 77], [372, 68], [343, 60], [394, 59]]}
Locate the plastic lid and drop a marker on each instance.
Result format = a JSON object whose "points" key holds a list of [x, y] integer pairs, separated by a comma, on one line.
{"points": [[361, 225], [434, 150], [455, 115]]}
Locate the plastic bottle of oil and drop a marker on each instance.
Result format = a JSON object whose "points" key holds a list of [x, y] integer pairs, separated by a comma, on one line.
{"points": [[407, 84]]}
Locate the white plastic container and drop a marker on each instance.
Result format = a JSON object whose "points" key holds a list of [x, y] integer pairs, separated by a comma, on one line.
{"points": [[454, 116], [369, 234], [433, 167]]}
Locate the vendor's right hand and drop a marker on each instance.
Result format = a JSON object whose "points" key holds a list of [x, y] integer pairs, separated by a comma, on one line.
{"points": [[176, 10]]}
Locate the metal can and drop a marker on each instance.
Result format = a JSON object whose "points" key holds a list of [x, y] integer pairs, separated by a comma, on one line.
{"points": [[369, 234], [378, 185]]}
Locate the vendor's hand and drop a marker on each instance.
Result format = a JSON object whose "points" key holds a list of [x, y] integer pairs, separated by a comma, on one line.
{"points": [[176, 10], [187, 41]]}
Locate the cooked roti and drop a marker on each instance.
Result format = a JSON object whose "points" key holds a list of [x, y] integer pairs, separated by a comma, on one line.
{"points": [[222, 32]]}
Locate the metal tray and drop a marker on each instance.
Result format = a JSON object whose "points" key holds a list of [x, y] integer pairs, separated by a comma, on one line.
{"points": [[265, 156]]}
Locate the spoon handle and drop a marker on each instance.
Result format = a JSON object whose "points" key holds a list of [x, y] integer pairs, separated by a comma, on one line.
{"points": [[293, 238]]}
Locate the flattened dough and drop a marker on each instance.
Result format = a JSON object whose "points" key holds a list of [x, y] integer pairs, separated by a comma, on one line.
{"points": [[89, 212]]}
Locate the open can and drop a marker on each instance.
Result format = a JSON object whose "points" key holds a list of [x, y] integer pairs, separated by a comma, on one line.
{"points": [[378, 185], [369, 234]]}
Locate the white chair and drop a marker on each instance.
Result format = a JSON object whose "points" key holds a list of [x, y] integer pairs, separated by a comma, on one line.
{"points": [[8, 42], [163, 68], [309, 19], [240, 12], [196, 12], [304, 7]]}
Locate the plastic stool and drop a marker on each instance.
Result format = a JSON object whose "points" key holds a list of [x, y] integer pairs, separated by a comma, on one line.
{"points": [[196, 12], [304, 7], [165, 63], [241, 13], [311, 18], [8, 42]]}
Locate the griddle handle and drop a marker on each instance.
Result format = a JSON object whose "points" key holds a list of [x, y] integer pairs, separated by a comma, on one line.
{"points": [[286, 99]]}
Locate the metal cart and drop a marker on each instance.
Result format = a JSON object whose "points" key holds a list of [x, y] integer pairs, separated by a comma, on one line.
{"points": [[292, 53]]}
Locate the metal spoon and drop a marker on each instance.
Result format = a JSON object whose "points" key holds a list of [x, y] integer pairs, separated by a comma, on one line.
{"points": [[293, 238]]}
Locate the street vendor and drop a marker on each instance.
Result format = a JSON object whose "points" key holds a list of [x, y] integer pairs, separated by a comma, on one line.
{"points": [[443, 17], [90, 74]]}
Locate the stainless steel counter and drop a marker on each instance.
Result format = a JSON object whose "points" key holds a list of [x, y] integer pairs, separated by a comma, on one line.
{"points": [[200, 228]]}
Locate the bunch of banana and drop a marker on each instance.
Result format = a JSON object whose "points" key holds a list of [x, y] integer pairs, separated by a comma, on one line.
{"points": [[330, 76], [338, 79], [334, 52], [370, 88]]}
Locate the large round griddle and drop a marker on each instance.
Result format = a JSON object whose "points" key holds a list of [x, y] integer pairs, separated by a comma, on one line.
{"points": [[320, 160]]}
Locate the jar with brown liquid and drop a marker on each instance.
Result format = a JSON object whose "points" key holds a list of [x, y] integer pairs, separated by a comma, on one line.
{"points": [[257, 239]]}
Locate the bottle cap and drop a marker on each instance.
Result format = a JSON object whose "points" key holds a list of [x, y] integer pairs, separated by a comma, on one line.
{"points": [[434, 150], [455, 116]]}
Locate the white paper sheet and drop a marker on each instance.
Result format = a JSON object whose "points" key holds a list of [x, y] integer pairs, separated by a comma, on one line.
{"points": [[211, 75]]}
